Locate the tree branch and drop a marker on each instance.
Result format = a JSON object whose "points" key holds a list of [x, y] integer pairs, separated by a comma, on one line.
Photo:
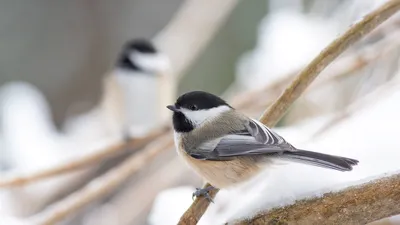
{"points": [[355, 205], [272, 115]]}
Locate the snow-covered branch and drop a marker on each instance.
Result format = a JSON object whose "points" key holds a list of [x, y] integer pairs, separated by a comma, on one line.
{"points": [[272, 115], [360, 204]]}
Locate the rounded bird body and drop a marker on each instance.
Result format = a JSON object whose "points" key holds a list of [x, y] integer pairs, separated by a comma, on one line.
{"points": [[226, 147], [132, 98]]}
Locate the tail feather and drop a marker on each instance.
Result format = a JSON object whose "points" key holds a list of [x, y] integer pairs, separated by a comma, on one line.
{"points": [[321, 160]]}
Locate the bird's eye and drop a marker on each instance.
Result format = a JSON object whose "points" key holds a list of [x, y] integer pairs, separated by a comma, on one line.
{"points": [[193, 107]]}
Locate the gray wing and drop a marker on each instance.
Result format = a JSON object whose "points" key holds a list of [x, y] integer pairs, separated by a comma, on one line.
{"points": [[256, 139]]}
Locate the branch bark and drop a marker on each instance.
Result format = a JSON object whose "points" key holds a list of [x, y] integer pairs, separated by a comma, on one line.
{"points": [[272, 115], [355, 205]]}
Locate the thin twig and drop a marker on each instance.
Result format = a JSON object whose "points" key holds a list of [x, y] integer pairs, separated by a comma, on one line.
{"points": [[104, 184], [16, 180], [272, 115]]}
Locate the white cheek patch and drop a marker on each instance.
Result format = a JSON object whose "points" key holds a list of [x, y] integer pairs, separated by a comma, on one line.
{"points": [[151, 62], [199, 116]]}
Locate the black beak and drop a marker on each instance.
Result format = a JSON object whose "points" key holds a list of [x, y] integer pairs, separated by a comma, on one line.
{"points": [[173, 108]]}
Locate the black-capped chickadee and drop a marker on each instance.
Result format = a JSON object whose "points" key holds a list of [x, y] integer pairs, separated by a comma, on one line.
{"points": [[132, 98], [226, 147]]}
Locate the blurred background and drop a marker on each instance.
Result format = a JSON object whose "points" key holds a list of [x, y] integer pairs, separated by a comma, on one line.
{"points": [[55, 54]]}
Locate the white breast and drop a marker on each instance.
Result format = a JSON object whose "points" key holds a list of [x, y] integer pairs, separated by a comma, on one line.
{"points": [[220, 174], [140, 101]]}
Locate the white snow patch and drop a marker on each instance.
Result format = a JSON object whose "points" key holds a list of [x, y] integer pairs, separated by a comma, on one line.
{"points": [[31, 143], [170, 204], [287, 40]]}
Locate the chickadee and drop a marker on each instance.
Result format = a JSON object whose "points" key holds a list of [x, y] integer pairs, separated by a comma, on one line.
{"points": [[132, 88], [226, 147]]}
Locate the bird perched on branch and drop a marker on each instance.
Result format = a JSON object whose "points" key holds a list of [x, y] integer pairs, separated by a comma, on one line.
{"points": [[132, 95], [138, 75], [226, 147]]}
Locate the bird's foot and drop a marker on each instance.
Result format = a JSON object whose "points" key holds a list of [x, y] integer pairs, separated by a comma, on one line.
{"points": [[203, 192]]}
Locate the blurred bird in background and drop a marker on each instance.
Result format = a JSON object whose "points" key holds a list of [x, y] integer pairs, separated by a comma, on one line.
{"points": [[131, 95], [30, 141], [137, 74]]}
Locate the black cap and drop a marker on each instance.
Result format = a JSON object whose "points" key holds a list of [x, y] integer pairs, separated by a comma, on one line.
{"points": [[198, 100], [194, 100], [139, 45]]}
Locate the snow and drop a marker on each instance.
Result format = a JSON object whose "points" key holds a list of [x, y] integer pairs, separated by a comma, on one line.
{"points": [[165, 210], [31, 143], [366, 135], [287, 40], [393, 220], [26, 126], [13, 221]]}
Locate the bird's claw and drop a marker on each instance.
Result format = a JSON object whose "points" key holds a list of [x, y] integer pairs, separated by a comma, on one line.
{"points": [[203, 192]]}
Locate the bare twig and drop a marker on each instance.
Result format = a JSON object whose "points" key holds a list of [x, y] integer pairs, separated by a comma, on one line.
{"points": [[15, 180], [104, 184], [272, 115], [355, 205]]}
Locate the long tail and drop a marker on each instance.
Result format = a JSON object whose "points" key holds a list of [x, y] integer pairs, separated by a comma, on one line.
{"points": [[321, 160]]}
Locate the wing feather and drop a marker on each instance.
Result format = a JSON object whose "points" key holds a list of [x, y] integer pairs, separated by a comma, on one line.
{"points": [[256, 139]]}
